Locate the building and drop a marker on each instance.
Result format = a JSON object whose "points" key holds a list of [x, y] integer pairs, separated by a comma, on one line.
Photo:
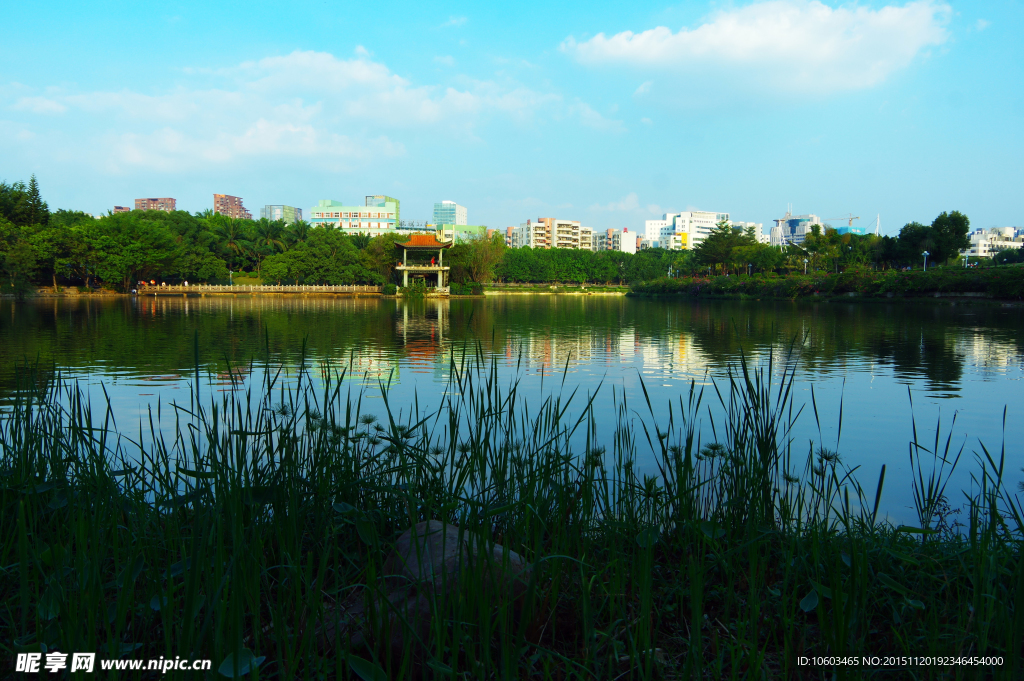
{"points": [[680, 231], [231, 206], [756, 227], [122, 209], [290, 214], [166, 204], [381, 201], [624, 241], [460, 233], [550, 233], [793, 229], [985, 243], [450, 213], [372, 220]]}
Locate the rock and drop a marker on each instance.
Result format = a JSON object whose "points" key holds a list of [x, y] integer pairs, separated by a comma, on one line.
{"points": [[431, 564]]}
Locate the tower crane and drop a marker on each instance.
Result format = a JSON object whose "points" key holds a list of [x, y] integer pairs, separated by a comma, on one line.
{"points": [[849, 218]]}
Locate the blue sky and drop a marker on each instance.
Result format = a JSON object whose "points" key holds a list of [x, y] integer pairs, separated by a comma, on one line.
{"points": [[609, 113]]}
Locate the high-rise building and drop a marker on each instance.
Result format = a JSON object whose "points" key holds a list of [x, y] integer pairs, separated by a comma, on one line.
{"points": [[122, 209], [167, 205], [793, 229], [450, 213], [372, 220], [230, 206], [381, 201], [290, 214]]}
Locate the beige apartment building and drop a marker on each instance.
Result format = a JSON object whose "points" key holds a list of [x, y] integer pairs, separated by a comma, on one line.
{"points": [[165, 204], [550, 233], [230, 206]]}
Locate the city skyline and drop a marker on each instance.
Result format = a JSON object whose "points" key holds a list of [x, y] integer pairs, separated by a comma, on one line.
{"points": [[610, 117]]}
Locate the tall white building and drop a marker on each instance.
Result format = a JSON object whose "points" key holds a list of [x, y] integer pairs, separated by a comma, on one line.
{"points": [[450, 213], [678, 231]]}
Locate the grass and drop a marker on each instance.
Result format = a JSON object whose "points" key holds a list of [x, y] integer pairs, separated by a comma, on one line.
{"points": [[231, 536]]}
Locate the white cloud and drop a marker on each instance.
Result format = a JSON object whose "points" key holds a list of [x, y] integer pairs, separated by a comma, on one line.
{"points": [[794, 45], [646, 121], [644, 88], [982, 24], [454, 21], [446, 60], [307, 107], [592, 119], [39, 105], [629, 202]]}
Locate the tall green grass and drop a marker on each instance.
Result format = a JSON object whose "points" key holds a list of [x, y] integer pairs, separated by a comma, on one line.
{"points": [[231, 526]]}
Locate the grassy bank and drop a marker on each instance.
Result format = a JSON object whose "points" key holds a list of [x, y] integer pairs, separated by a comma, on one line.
{"points": [[265, 506], [996, 282]]}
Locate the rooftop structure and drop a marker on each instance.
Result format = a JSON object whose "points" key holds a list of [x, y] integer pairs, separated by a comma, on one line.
{"points": [[166, 204], [381, 201], [450, 213], [290, 214], [122, 209], [225, 204]]}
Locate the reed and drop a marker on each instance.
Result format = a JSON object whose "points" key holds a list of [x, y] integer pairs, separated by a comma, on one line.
{"points": [[225, 527]]}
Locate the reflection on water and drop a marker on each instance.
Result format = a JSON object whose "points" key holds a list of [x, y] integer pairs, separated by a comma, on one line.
{"points": [[965, 357]]}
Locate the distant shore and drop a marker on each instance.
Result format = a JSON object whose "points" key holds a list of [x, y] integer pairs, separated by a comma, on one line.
{"points": [[994, 283]]}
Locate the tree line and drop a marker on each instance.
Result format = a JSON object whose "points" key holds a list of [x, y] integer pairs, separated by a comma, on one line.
{"points": [[67, 247]]}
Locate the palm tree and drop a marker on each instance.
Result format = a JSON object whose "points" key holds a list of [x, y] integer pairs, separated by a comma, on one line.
{"points": [[270, 235], [231, 234], [297, 232]]}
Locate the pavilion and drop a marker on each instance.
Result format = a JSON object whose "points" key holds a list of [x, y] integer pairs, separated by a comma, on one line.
{"points": [[421, 248]]}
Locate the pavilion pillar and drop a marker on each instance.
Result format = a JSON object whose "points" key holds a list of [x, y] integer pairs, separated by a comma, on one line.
{"points": [[440, 278], [405, 278]]}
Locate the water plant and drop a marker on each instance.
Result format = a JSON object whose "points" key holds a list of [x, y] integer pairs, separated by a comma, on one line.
{"points": [[227, 527]]}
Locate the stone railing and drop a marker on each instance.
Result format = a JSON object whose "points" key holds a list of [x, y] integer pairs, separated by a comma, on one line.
{"points": [[246, 288]]}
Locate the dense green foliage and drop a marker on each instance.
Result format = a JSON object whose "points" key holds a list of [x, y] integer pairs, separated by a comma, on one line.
{"points": [[234, 526], [120, 249], [998, 282], [574, 266]]}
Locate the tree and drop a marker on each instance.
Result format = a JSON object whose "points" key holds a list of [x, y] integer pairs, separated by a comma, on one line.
{"points": [[23, 205], [950, 235], [716, 248], [476, 259], [130, 246], [914, 238]]}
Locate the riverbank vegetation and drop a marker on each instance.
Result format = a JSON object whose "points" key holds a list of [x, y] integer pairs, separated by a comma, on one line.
{"points": [[70, 248], [998, 282], [228, 526]]}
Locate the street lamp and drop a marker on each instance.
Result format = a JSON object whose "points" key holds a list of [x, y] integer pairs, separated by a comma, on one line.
{"points": [[805, 265], [925, 254], [231, 281]]}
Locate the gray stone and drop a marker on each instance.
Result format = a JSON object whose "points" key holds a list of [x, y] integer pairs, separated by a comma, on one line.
{"points": [[431, 563]]}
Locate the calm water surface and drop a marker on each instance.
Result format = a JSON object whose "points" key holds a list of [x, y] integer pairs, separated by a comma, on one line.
{"points": [[962, 359]]}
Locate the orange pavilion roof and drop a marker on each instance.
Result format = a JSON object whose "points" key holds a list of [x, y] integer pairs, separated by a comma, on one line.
{"points": [[424, 241]]}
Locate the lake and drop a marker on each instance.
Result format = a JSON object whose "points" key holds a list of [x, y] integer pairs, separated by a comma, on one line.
{"points": [[962, 359]]}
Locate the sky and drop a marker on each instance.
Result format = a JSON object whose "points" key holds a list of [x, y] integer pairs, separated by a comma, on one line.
{"points": [[610, 113]]}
